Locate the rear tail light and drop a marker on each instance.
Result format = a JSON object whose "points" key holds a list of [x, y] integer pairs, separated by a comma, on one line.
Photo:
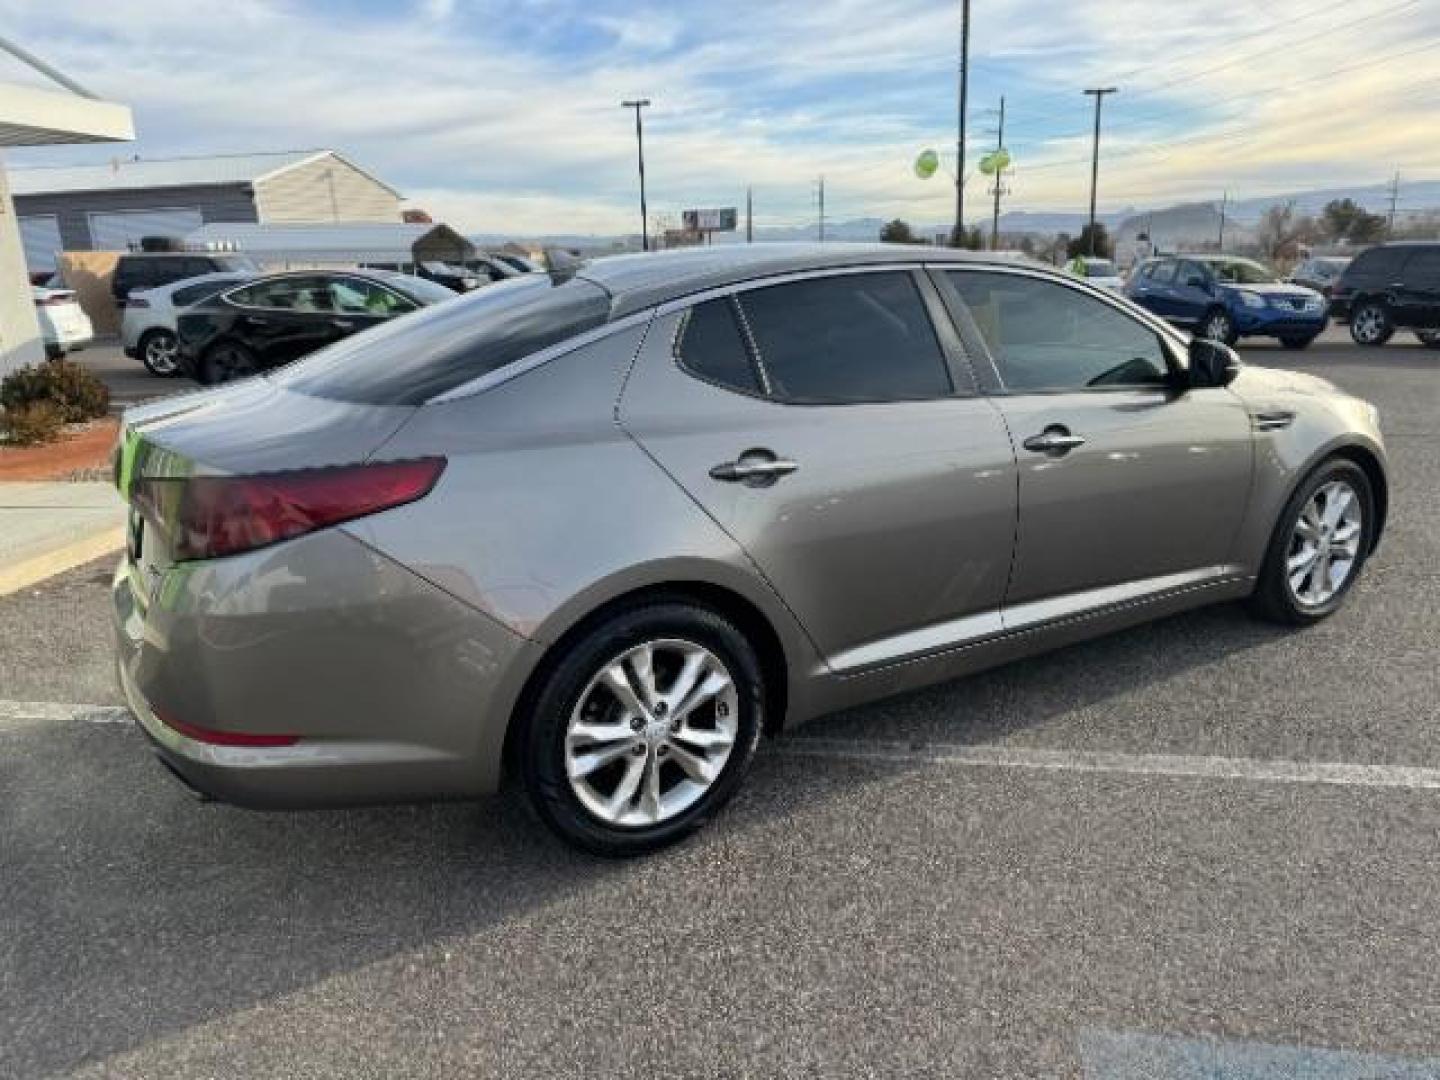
{"points": [[224, 738], [211, 516]]}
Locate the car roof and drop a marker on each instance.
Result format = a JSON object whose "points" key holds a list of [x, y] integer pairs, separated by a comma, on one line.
{"points": [[640, 281], [200, 279]]}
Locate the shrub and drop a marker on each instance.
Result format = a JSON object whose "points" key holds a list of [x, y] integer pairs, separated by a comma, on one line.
{"points": [[32, 424], [74, 391]]}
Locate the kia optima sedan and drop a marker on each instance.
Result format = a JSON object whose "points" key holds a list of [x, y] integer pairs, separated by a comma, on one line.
{"points": [[599, 531]]}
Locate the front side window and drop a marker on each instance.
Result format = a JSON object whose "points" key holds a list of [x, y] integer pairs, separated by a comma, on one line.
{"points": [[1044, 336], [713, 348], [193, 294], [1424, 266], [849, 338], [357, 297]]}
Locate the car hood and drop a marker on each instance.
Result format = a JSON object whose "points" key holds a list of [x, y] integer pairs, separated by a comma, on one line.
{"points": [[1262, 382], [255, 426]]}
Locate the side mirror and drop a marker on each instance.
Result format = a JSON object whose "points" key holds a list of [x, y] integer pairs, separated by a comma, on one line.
{"points": [[1212, 363]]}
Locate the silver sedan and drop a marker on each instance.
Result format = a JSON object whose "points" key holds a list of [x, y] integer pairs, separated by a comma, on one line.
{"points": [[600, 530]]}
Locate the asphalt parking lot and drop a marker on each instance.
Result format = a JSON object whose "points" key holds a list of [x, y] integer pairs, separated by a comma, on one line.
{"points": [[1203, 848]]}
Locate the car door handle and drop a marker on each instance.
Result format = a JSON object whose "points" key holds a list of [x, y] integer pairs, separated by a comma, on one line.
{"points": [[754, 470], [257, 320], [342, 324], [1055, 441]]}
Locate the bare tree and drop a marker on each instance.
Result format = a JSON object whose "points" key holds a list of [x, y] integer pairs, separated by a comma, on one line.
{"points": [[1282, 232]]}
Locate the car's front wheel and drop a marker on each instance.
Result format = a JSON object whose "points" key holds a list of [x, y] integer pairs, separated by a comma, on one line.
{"points": [[1218, 326], [644, 727], [1319, 545], [1370, 323], [160, 353], [1429, 338]]}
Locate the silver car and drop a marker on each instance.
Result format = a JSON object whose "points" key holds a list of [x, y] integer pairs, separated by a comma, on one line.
{"points": [[601, 530]]}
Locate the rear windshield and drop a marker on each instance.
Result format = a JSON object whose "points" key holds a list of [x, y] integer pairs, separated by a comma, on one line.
{"points": [[412, 359]]}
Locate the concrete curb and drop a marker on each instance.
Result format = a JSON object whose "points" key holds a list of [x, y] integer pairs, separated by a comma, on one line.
{"points": [[57, 561]]}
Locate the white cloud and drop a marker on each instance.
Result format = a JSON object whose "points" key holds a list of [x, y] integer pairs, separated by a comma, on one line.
{"points": [[511, 133]]}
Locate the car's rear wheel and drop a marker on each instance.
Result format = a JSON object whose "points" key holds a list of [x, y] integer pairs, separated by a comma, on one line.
{"points": [[1370, 323], [1429, 338], [226, 362], [1319, 545], [1217, 325], [1298, 342], [643, 728], [160, 353]]}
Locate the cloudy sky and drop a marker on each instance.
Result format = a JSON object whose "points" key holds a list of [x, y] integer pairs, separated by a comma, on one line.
{"points": [[502, 115]]}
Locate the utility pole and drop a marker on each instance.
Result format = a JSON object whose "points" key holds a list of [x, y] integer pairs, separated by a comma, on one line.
{"points": [[1224, 205], [822, 209], [637, 105], [749, 215], [957, 238], [1098, 93], [999, 181], [1394, 202]]}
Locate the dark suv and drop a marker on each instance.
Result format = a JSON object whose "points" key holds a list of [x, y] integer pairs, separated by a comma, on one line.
{"points": [[151, 269], [1388, 288]]}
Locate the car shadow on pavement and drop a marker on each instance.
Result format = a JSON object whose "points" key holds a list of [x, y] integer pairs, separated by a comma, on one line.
{"points": [[129, 913]]}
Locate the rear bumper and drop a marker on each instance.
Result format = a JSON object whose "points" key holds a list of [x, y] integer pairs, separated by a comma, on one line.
{"points": [[397, 691]]}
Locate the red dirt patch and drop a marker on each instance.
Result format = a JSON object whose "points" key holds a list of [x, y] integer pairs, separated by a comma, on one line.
{"points": [[83, 448]]}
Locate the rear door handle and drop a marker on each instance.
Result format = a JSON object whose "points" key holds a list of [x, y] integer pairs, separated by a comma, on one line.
{"points": [[754, 468], [1054, 441], [342, 324]]}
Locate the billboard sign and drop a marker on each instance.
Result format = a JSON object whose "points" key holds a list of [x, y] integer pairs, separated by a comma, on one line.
{"points": [[722, 220]]}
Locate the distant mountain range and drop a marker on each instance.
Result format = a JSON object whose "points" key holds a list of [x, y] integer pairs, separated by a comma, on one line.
{"points": [[1175, 224]]}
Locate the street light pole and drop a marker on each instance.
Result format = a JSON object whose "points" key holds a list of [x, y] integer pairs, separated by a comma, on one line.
{"points": [[637, 105], [958, 238], [1098, 93]]}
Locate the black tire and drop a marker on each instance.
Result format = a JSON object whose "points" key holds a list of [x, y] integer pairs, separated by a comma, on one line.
{"points": [[541, 741], [1298, 342], [1217, 325], [1273, 598], [1370, 323], [227, 361], [153, 347], [1429, 338]]}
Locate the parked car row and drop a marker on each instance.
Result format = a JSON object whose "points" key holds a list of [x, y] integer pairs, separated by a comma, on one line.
{"points": [[64, 326]]}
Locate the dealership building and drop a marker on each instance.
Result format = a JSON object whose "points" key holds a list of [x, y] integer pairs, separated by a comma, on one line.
{"points": [[35, 116], [110, 206]]}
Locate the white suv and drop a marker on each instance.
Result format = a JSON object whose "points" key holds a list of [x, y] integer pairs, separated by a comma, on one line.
{"points": [[147, 330]]}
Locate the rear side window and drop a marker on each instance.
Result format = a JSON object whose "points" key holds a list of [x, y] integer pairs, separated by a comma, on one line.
{"points": [[193, 294], [1378, 263], [851, 338], [411, 360], [713, 348], [1163, 273]]}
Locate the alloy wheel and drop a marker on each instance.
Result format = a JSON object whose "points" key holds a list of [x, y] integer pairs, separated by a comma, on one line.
{"points": [[161, 354], [1216, 327], [1368, 325], [1325, 544], [651, 732]]}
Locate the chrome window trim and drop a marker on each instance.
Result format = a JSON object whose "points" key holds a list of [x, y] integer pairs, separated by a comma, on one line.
{"points": [[982, 626], [737, 287], [519, 367]]}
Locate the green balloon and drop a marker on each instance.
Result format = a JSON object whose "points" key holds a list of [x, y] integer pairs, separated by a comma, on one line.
{"points": [[994, 162], [927, 164]]}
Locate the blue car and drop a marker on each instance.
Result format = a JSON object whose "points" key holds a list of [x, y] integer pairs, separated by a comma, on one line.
{"points": [[1226, 298]]}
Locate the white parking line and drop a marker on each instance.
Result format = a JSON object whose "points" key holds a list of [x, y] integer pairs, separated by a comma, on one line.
{"points": [[1343, 774], [15, 714], [22, 713]]}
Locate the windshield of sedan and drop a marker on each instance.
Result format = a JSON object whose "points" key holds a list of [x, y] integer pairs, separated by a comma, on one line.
{"points": [[1241, 272]]}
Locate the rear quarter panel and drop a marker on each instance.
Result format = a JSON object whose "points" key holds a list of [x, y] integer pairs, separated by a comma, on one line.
{"points": [[548, 510]]}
